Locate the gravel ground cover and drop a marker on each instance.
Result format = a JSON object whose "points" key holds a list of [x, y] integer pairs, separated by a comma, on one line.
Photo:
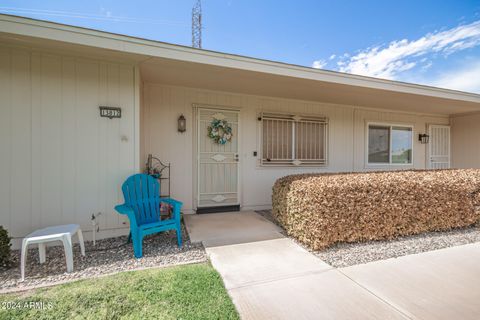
{"points": [[349, 254], [106, 257]]}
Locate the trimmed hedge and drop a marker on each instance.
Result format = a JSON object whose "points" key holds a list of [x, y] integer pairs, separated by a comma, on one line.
{"points": [[322, 209], [5, 251]]}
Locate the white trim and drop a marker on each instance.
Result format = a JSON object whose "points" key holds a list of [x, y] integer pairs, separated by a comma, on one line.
{"points": [[196, 161], [390, 164], [429, 149], [464, 114], [215, 107], [148, 48], [195, 143], [68, 53]]}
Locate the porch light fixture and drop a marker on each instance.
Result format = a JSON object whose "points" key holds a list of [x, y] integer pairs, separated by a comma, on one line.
{"points": [[423, 138], [182, 124]]}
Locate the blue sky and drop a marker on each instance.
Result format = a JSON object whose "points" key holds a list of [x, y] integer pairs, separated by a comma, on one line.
{"points": [[428, 42]]}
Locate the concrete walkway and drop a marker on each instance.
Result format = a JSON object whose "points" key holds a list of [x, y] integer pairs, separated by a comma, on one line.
{"points": [[269, 276]]}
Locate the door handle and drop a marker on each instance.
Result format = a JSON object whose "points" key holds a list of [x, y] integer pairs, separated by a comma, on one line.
{"points": [[236, 157]]}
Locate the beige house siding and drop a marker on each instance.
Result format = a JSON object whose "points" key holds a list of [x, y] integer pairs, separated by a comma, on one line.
{"points": [[163, 104], [465, 144], [420, 125], [60, 162]]}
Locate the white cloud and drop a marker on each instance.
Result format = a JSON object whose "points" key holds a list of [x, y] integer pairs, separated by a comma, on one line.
{"points": [[464, 79], [319, 64], [427, 65], [105, 12], [388, 61], [332, 57]]}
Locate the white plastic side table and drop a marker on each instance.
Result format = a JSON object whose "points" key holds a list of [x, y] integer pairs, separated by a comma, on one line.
{"points": [[62, 233]]}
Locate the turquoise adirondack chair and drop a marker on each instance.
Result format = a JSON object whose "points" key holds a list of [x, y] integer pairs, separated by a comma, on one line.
{"points": [[142, 206]]}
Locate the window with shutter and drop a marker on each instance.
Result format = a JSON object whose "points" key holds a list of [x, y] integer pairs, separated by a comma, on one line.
{"points": [[291, 140]]}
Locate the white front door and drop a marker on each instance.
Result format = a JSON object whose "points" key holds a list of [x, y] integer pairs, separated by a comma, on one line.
{"points": [[218, 164], [439, 147]]}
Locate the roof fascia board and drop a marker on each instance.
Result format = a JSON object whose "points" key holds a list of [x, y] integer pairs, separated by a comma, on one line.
{"points": [[149, 48]]}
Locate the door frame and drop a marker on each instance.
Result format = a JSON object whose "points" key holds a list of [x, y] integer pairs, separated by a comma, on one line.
{"points": [[429, 146], [196, 158]]}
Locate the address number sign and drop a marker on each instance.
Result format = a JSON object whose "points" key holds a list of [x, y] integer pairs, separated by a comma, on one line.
{"points": [[110, 112]]}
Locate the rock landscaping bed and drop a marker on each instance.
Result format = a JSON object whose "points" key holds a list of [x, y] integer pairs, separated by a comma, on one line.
{"points": [[108, 256], [349, 254]]}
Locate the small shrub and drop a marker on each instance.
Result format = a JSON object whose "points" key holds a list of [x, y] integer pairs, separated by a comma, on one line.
{"points": [[322, 209], [5, 250]]}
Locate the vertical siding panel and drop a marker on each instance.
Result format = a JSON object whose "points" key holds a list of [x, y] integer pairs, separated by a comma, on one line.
{"points": [[21, 146], [54, 146], [348, 141], [5, 139], [147, 115], [176, 108], [127, 129], [163, 122], [36, 160], [465, 154], [169, 123], [188, 170], [86, 111], [104, 203], [142, 122], [113, 144], [202, 97], [212, 98], [68, 138], [341, 137], [51, 139]]}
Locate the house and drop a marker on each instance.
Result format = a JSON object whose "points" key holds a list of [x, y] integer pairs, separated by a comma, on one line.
{"points": [[61, 161]]}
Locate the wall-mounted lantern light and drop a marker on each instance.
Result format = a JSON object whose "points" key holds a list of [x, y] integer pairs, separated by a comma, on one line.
{"points": [[182, 124], [423, 138]]}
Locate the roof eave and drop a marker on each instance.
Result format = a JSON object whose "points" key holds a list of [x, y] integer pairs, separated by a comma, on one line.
{"points": [[149, 48]]}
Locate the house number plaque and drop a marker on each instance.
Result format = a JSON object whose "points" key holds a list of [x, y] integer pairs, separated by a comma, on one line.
{"points": [[110, 112]]}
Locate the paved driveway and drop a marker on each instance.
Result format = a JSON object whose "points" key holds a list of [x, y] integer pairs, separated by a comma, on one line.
{"points": [[269, 276]]}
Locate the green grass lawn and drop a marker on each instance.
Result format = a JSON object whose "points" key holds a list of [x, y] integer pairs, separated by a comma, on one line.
{"points": [[183, 292]]}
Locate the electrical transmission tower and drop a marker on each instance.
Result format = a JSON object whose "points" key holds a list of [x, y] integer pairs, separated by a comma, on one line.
{"points": [[197, 25]]}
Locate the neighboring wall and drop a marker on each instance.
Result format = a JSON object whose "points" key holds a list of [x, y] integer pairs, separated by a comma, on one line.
{"points": [[60, 162], [465, 132], [162, 105]]}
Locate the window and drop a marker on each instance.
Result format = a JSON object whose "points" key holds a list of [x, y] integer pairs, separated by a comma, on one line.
{"points": [[293, 140], [389, 144]]}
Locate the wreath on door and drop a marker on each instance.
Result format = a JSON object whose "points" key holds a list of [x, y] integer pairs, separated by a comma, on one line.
{"points": [[220, 131]]}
